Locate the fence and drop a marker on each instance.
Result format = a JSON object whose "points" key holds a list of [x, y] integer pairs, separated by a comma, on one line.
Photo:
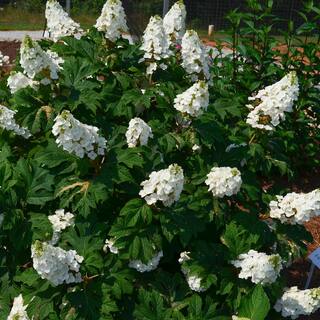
{"points": [[201, 13]]}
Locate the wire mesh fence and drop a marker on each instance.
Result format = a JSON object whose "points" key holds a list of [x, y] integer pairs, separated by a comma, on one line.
{"points": [[201, 13]]}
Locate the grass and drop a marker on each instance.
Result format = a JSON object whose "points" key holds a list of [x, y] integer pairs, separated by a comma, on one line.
{"points": [[17, 19]]}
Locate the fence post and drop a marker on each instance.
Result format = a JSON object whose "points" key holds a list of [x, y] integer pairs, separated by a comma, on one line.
{"points": [[165, 7], [68, 6]]}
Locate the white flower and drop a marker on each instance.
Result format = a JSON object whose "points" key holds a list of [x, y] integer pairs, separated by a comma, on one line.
{"points": [[4, 59], [17, 81], [195, 60], [296, 208], [8, 122], [174, 22], [259, 266], [18, 310], [184, 256], [55, 264], [78, 138], [112, 20], [35, 60], [138, 133], [60, 221], [196, 148], [154, 44], [295, 302], [194, 100], [224, 181], [194, 283], [165, 185], [271, 103], [59, 24], [109, 245], [151, 265]]}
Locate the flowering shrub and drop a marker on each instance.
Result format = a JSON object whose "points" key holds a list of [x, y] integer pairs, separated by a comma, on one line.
{"points": [[133, 176]]}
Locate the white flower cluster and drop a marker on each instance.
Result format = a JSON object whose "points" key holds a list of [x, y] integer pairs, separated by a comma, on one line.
{"points": [[165, 185], [76, 137], [155, 44], [17, 81], [34, 60], [224, 181], [295, 302], [194, 57], [112, 20], [138, 133], [109, 245], [194, 100], [60, 221], [18, 310], [3, 59], [194, 282], [55, 264], [7, 122], [270, 104], [174, 22], [151, 265], [258, 266], [296, 208], [59, 24]]}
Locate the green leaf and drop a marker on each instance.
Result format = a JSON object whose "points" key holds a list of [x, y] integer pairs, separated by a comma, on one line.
{"points": [[255, 305], [131, 157], [38, 183]]}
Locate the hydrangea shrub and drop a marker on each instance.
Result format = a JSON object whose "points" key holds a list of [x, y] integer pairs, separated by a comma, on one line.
{"points": [[136, 184]]}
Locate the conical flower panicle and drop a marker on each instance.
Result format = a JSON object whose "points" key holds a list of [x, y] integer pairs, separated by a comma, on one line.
{"points": [[59, 24], [112, 20]]}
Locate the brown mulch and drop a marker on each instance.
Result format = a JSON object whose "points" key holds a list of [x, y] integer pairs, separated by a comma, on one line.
{"points": [[10, 48], [297, 274]]}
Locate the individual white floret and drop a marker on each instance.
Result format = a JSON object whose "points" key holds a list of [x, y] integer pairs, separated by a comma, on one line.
{"points": [[295, 302], [138, 133], [59, 24], [151, 265], [4, 59], [55, 264], [78, 138], [195, 60], [184, 256], [112, 20], [196, 148], [17, 81], [60, 221], [174, 23], [296, 208], [165, 185], [34, 60], [155, 45], [224, 181], [109, 245], [18, 310], [270, 104], [194, 101], [259, 266], [8, 122]]}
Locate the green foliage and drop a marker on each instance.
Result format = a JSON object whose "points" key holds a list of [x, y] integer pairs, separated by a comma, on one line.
{"points": [[101, 83]]}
